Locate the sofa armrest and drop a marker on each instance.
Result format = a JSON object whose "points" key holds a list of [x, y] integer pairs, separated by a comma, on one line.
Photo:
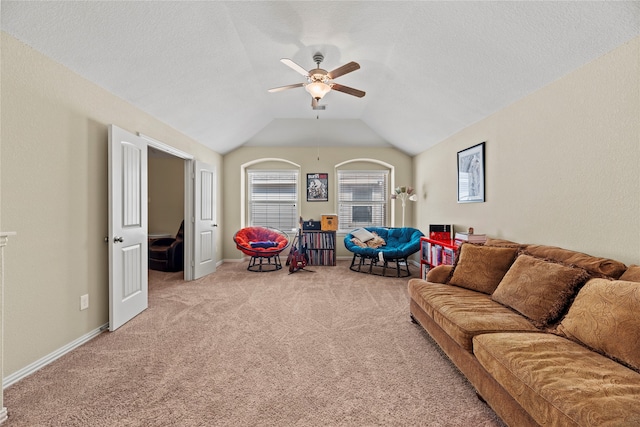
{"points": [[439, 274]]}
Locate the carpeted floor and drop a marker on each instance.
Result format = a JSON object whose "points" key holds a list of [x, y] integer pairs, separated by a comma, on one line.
{"points": [[325, 348]]}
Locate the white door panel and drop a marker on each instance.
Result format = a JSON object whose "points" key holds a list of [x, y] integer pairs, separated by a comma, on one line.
{"points": [[205, 220], [128, 252]]}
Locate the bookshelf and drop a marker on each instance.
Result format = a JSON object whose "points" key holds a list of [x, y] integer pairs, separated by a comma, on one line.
{"points": [[435, 252], [321, 246]]}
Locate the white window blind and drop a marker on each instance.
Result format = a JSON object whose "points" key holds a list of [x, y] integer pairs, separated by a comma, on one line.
{"points": [[362, 198], [273, 199]]}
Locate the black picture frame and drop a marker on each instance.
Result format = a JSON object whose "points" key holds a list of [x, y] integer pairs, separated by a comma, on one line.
{"points": [[317, 187], [471, 174]]}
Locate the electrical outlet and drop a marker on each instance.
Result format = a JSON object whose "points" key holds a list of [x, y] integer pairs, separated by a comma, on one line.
{"points": [[84, 302]]}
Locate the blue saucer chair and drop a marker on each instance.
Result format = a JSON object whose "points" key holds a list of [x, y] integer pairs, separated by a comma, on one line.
{"points": [[400, 243]]}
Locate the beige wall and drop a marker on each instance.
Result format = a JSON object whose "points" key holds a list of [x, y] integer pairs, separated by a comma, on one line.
{"points": [[307, 158], [166, 194], [562, 165], [54, 194]]}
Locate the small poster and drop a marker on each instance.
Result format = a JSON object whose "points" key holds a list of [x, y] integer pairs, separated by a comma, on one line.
{"points": [[317, 187]]}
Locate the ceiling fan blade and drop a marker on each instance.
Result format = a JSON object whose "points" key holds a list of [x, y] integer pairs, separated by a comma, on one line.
{"points": [[348, 90], [281, 88], [296, 67], [346, 68]]}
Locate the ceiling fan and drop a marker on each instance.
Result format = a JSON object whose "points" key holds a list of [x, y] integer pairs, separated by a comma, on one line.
{"points": [[319, 81]]}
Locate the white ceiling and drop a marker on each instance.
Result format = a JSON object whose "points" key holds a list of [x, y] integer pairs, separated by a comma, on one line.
{"points": [[429, 68]]}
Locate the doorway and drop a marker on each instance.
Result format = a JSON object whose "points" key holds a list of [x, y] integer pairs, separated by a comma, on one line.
{"points": [[199, 209], [128, 221], [166, 205]]}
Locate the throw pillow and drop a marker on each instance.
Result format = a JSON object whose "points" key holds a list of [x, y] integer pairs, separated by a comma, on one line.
{"points": [[362, 234], [439, 274], [632, 274], [604, 316], [263, 245], [359, 243], [480, 268], [539, 290], [376, 242]]}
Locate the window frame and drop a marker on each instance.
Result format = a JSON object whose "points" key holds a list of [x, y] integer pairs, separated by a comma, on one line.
{"points": [[252, 203], [383, 200]]}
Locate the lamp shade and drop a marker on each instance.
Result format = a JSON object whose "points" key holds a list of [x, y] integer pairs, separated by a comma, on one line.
{"points": [[318, 89]]}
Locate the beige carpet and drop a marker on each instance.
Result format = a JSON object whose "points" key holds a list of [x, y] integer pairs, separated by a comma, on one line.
{"points": [[325, 348]]}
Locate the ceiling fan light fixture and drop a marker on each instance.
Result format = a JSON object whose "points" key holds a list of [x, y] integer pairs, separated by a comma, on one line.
{"points": [[317, 89]]}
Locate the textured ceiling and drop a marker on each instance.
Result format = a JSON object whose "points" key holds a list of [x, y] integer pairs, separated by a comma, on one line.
{"points": [[429, 69]]}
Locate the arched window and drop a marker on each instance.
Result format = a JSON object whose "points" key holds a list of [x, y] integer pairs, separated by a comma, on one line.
{"points": [[273, 198], [363, 193]]}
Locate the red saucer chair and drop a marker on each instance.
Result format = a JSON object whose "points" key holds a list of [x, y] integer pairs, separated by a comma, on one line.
{"points": [[263, 245]]}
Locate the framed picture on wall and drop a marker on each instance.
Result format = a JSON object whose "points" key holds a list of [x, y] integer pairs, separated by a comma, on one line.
{"points": [[471, 174], [317, 187]]}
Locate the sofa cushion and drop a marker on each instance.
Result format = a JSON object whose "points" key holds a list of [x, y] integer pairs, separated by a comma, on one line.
{"points": [[463, 313], [560, 382], [605, 316], [632, 274], [539, 289], [439, 274], [480, 268], [596, 266]]}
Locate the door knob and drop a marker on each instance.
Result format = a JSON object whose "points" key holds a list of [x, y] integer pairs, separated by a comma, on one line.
{"points": [[214, 225], [118, 240]]}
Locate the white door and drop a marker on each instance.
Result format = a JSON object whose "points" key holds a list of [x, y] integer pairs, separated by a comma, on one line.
{"points": [[205, 220], [128, 257]]}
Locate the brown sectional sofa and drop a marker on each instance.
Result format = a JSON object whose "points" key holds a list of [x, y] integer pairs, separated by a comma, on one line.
{"points": [[547, 336]]}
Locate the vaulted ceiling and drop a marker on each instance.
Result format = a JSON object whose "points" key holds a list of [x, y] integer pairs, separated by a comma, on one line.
{"points": [[429, 69]]}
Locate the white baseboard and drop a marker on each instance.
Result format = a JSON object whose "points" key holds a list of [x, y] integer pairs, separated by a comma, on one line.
{"points": [[3, 415], [235, 259], [38, 364]]}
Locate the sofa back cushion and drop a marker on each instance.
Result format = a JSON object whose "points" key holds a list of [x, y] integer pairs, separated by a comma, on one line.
{"points": [[596, 266], [604, 317], [539, 289], [503, 243], [480, 268], [632, 274]]}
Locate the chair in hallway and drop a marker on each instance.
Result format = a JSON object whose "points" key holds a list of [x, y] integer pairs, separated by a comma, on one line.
{"points": [[167, 254]]}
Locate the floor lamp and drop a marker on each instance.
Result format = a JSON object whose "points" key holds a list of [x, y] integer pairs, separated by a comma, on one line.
{"points": [[404, 194]]}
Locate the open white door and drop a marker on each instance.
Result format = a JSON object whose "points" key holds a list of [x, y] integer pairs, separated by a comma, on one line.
{"points": [[204, 250], [128, 253]]}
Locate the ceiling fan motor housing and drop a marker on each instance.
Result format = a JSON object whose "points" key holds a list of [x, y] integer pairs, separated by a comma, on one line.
{"points": [[318, 75]]}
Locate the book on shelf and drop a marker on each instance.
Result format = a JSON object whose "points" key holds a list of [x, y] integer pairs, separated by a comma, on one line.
{"points": [[471, 238], [448, 256], [441, 231]]}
